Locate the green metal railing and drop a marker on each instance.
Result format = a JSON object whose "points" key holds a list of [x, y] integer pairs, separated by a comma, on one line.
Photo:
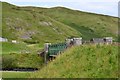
{"points": [[54, 49]]}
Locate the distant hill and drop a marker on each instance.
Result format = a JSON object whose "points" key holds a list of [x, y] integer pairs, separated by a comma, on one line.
{"points": [[39, 25], [88, 24], [30, 26]]}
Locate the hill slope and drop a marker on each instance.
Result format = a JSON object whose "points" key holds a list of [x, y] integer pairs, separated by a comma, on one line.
{"points": [[87, 61], [35, 24], [33, 27], [88, 24]]}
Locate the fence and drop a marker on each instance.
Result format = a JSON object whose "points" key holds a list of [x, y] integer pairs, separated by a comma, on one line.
{"points": [[51, 50], [55, 49]]}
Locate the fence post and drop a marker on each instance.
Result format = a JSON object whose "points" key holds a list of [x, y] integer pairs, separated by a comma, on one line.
{"points": [[68, 41], [46, 46]]}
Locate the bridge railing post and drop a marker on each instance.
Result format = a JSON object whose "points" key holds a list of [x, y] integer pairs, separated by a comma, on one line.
{"points": [[46, 46]]}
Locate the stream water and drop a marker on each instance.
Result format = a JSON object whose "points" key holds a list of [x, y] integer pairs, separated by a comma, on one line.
{"points": [[20, 69]]}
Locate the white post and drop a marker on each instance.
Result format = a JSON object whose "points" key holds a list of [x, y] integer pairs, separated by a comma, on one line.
{"points": [[46, 46]]}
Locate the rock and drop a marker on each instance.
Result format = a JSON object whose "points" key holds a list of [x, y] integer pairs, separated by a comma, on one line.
{"points": [[44, 23]]}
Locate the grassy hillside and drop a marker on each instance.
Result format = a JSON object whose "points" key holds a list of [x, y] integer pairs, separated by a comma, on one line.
{"points": [[35, 24], [89, 25], [8, 47], [87, 61], [15, 75], [20, 55], [27, 60], [20, 61], [32, 27]]}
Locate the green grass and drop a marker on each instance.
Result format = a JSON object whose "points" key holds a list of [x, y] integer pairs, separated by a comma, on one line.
{"points": [[65, 23], [31, 22], [15, 56], [87, 61], [15, 74], [83, 61], [25, 60], [88, 24], [8, 47]]}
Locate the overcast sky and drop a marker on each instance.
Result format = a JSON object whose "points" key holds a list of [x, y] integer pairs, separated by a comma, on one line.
{"points": [[106, 7]]}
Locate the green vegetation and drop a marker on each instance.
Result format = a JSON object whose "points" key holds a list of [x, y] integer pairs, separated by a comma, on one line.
{"points": [[25, 60], [39, 25], [15, 75], [88, 25], [9, 47], [32, 27], [20, 55], [87, 61]]}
